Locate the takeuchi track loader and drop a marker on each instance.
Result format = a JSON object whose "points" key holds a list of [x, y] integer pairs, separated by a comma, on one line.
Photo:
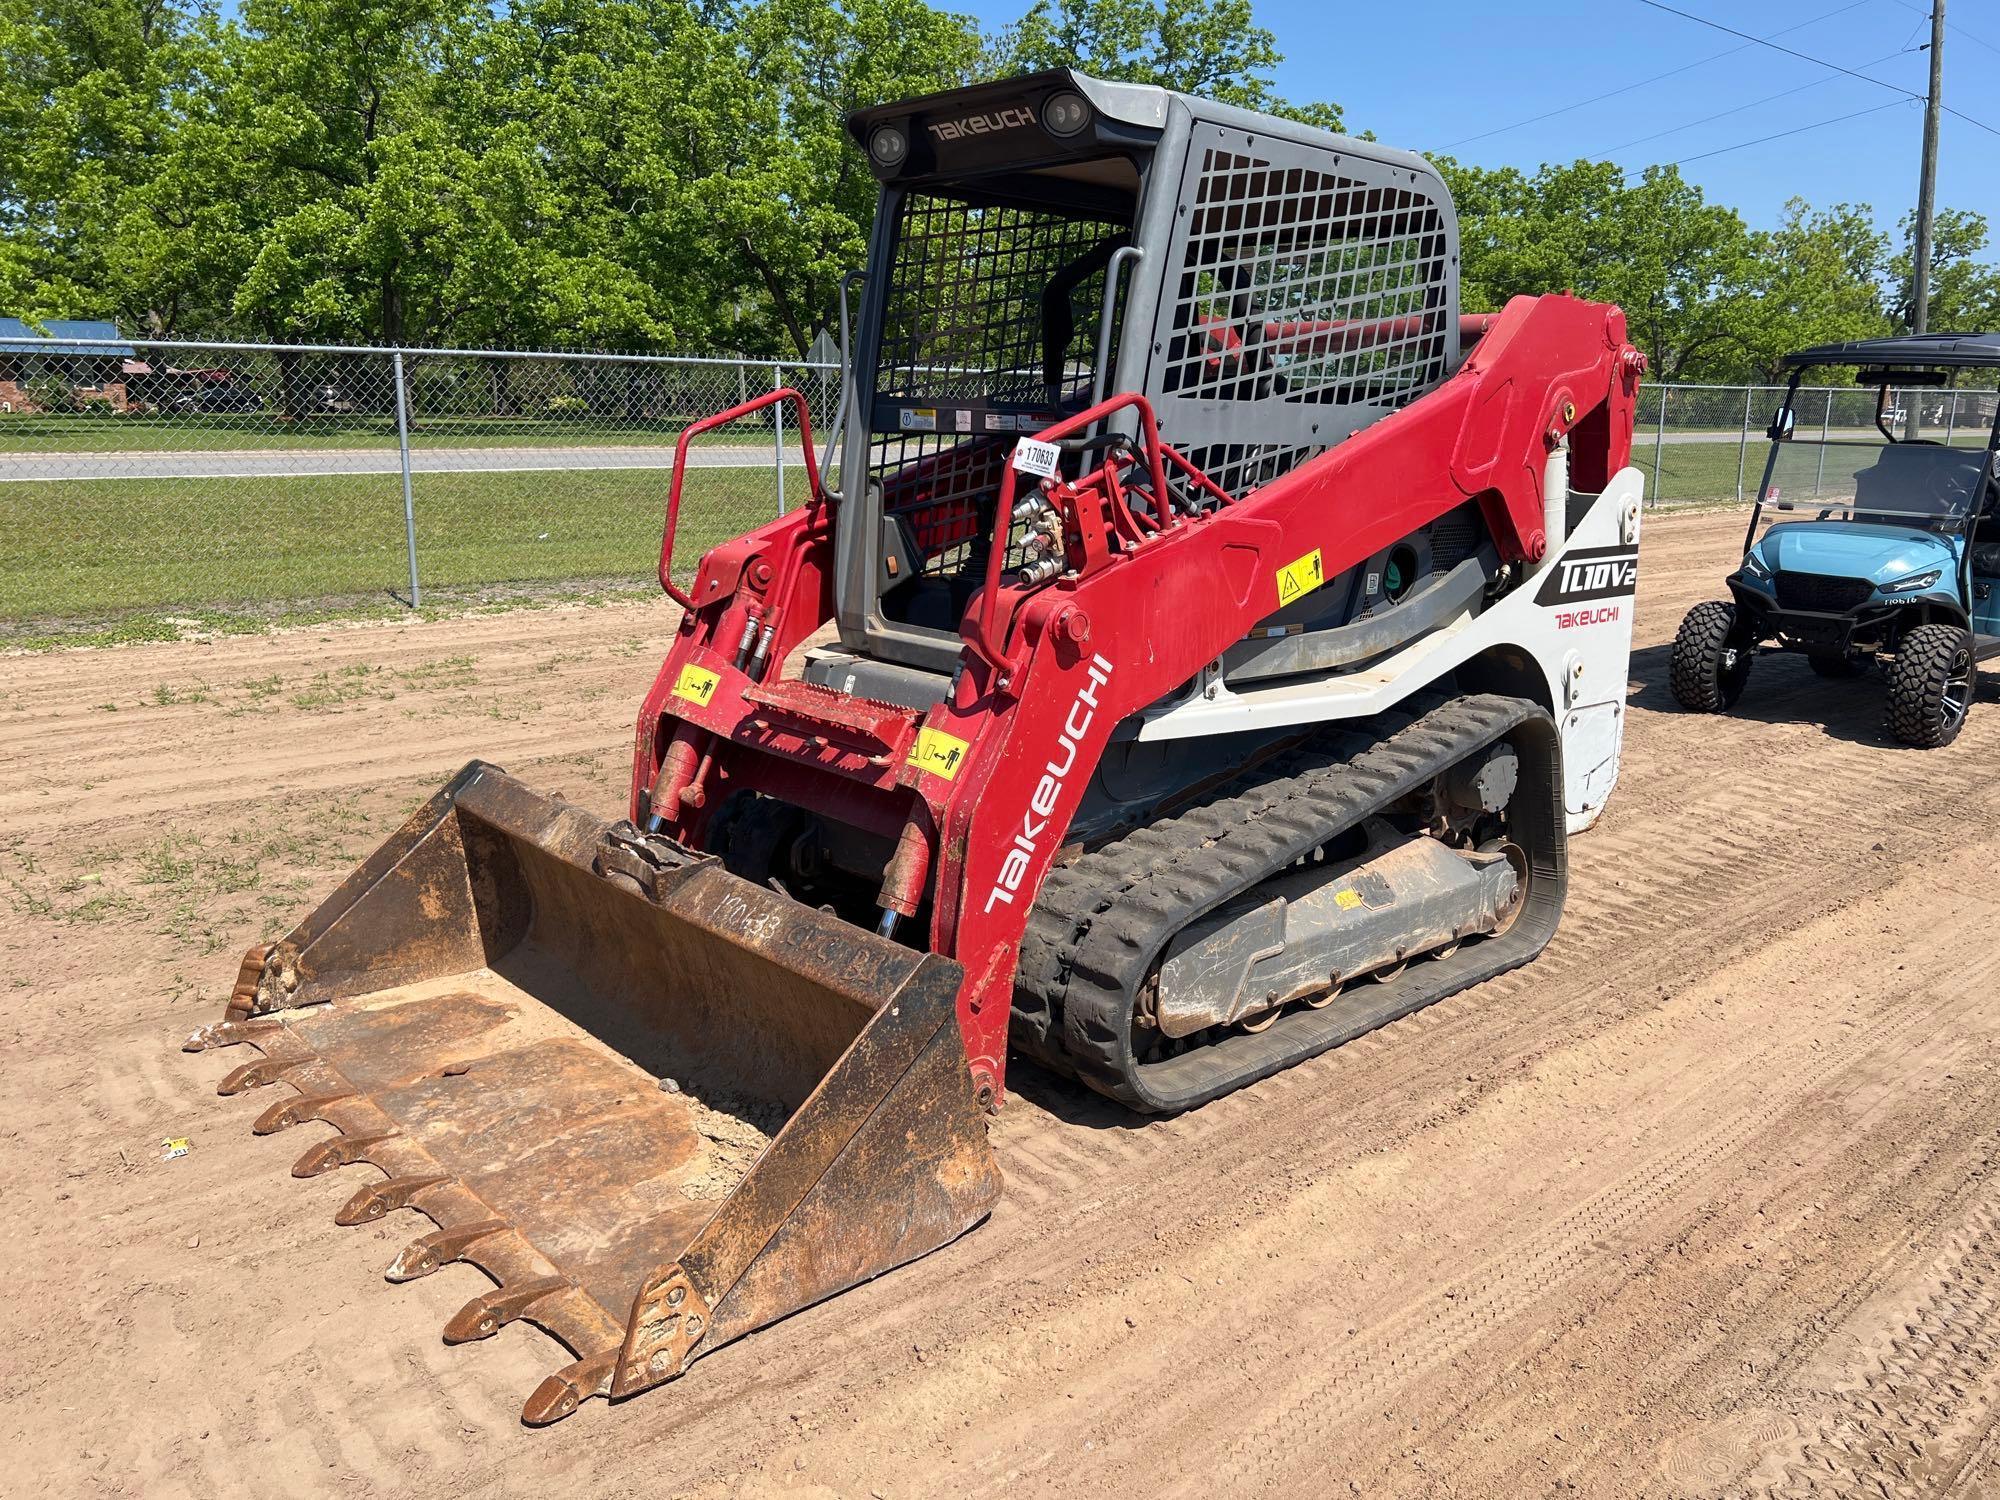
{"points": [[1198, 656]]}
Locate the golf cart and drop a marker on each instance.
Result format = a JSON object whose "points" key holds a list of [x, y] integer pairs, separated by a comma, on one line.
{"points": [[1899, 564]]}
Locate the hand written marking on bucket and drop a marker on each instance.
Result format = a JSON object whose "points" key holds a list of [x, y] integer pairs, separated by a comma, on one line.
{"points": [[757, 926]]}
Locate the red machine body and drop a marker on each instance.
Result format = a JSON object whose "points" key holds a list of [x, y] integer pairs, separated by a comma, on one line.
{"points": [[979, 792]]}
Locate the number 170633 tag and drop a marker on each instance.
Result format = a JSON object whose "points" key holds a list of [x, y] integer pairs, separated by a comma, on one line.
{"points": [[1032, 456]]}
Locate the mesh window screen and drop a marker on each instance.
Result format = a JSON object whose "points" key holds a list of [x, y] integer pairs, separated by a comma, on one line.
{"points": [[991, 306], [971, 292], [1315, 299]]}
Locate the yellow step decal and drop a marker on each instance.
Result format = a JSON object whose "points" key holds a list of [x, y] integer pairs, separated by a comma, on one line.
{"points": [[696, 684], [1347, 900], [1297, 579], [939, 753]]}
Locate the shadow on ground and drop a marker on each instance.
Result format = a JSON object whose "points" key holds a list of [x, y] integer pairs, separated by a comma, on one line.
{"points": [[1783, 690]]}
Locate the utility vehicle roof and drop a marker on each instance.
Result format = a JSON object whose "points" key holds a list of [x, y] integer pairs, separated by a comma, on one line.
{"points": [[1913, 349]]}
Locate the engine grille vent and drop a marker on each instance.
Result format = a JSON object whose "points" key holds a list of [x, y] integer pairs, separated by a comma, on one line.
{"points": [[1454, 535], [1817, 591]]}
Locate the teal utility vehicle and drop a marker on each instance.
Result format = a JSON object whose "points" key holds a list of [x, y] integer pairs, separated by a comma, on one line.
{"points": [[1898, 566]]}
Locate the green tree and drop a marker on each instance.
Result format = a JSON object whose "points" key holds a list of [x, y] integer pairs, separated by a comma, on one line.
{"points": [[83, 86], [1683, 269], [709, 197], [1965, 291], [1213, 48], [797, 209], [1818, 279]]}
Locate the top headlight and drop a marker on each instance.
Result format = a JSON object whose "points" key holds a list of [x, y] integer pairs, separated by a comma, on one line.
{"points": [[1915, 583], [888, 146], [1754, 566], [1065, 114]]}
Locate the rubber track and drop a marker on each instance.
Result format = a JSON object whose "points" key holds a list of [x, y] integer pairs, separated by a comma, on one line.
{"points": [[1099, 923]]}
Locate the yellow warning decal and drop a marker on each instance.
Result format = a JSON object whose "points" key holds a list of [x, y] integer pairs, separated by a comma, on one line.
{"points": [[1347, 900], [1297, 579], [939, 753], [697, 685]]}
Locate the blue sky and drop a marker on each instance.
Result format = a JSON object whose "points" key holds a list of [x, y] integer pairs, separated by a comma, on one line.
{"points": [[1427, 73]]}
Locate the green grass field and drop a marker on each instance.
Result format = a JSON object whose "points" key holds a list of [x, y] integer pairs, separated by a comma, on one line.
{"points": [[96, 549], [40, 434]]}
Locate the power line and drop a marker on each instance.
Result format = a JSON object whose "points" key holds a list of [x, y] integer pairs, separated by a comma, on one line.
{"points": [[1779, 136], [1822, 62], [1643, 82], [1977, 41], [1959, 114], [1924, 10], [1725, 113], [1767, 42]]}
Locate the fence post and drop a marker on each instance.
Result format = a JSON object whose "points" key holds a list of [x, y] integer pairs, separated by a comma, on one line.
{"points": [[778, 435], [1825, 430], [1743, 444], [1659, 442], [1951, 420], [409, 506]]}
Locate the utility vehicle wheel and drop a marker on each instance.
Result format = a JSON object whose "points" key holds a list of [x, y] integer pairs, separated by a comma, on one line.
{"points": [[1836, 668], [1931, 683], [1711, 660]]}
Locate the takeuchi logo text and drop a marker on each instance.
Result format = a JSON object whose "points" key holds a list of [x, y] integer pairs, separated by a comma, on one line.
{"points": [[1020, 857], [990, 123]]}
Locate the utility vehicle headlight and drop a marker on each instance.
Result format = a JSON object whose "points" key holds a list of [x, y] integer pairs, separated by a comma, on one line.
{"points": [[1916, 583], [1754, 566]]}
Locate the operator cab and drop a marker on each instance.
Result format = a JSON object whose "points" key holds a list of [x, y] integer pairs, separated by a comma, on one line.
{"points": [[1042, 243]]}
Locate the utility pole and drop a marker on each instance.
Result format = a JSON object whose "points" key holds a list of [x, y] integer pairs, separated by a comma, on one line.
{"points": [[1920, 254]]}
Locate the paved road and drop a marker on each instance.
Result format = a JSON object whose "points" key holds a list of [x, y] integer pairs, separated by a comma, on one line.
{"points": [[275, 463]]}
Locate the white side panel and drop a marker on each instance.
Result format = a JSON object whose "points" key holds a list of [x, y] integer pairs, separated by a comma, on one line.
{"points": [[1572, 616], [1592, 739]]}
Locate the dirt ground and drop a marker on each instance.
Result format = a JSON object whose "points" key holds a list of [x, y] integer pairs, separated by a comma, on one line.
{"points": [[1701, 1203]]}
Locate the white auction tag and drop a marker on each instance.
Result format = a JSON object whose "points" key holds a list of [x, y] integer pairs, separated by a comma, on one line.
{"points": [[1033, 457]]}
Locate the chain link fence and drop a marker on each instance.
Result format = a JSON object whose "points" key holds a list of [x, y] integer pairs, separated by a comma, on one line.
{"points": [[148, 475], [161, 476], [1701, 444]]}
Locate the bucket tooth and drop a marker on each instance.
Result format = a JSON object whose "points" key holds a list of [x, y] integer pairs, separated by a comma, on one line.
{"points": [[256, 1074], [336, 1151], [289, 1112], [227, 1034], [440, 1248], [487, 1314], [376, 1199], [567, 1389]]}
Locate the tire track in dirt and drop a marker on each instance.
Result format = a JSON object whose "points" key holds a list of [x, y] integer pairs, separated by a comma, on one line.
{"points": [[1159, 1411], [1232, 1374], [1387, 1357], [1789, 1242], [1920, 1401]]}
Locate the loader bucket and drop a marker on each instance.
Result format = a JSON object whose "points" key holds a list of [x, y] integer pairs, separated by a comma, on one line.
{"points": [[660, 1106]]}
